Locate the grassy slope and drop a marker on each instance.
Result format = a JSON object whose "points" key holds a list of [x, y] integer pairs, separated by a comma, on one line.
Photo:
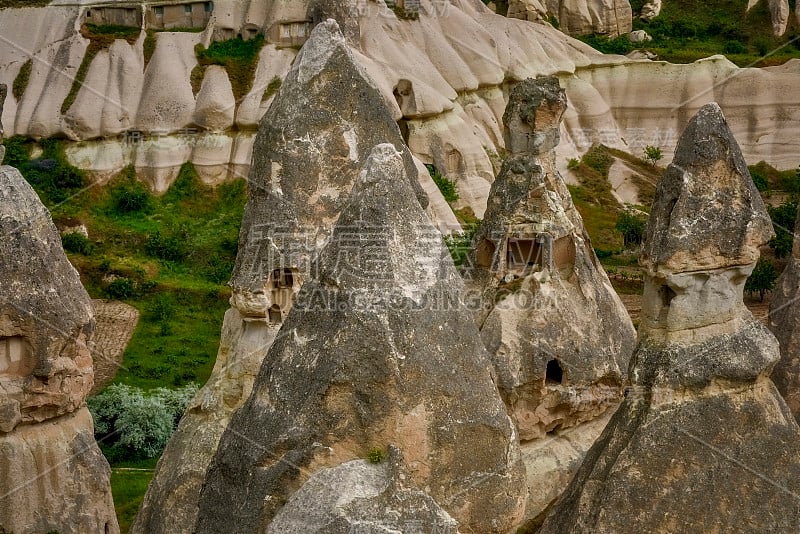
{"points": [[687, 30]]}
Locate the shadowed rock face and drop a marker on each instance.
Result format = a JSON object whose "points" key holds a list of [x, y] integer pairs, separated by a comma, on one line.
{"points": [[784, 322], [377, 351], [54, 476], [309, 152], [703, 442]]}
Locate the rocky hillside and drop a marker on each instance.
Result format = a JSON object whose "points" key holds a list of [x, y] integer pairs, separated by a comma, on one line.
{"points": [[157, 99]]}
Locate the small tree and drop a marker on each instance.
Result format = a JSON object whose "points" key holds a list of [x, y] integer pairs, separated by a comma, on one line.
{"points": [[652, 154], [763, 278], [632, 227]]}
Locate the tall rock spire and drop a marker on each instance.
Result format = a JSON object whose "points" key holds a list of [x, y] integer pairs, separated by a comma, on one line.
{"points": [[703, 442], [54, 476], [377, 352]]}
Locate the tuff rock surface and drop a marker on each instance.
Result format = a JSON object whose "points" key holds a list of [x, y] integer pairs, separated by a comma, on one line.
{"points": [[703, 441], [362, 496], [558, 335], [54, 476], [377, 351], [310, 148], [578, 17], [784, 322]]}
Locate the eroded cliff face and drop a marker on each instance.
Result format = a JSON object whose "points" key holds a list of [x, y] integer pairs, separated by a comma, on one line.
{"points": [[446, 76], [54, 476], [578, 17]]}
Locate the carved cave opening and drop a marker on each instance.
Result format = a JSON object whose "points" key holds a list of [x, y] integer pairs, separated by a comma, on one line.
{"points": [[554, 374]]}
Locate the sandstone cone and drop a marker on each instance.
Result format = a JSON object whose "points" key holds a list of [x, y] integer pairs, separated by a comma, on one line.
{"points": [[703, 442], [310, 148], [54, 477], [378, 351]]}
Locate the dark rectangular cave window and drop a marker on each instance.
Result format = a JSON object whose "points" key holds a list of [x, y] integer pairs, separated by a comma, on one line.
{"points": [[524, 254]]}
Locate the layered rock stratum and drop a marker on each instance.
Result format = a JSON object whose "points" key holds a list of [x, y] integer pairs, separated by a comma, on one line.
{"points": [[377, 351], [54, 477], [311, 146], [703, 441]]}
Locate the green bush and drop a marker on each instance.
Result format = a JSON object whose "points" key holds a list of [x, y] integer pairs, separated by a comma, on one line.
{"points": [[735, 47], [632, 227], [573, 163], [120, 288], [653, 154], [783, 220], [134, 424], [131, 198], [239, 57], [445, 185], [172, 247], [77, 243], [762, 279], [21, 81], [599, 159], [760, 180]]}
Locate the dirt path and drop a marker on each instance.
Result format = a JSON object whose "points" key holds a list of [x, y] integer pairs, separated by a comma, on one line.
{"points": [[116, 322]]}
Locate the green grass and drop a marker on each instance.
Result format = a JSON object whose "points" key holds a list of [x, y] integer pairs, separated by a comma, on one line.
{"points": [[239, 57], [128, 489], [688, 30], [272, 88], [600, 220]]}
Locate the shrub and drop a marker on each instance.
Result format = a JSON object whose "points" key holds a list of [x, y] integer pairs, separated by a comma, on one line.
{"points": [[459, 245], [760, 179], [652, 154], [166, 247], [445, 185], [121, 288], [21, 81], [130, 198], [762, 279], [632, 227], [77, 243], [573, 163], [376, 455], [599, 159], [137, 424], [783, 220], [735, 47]]}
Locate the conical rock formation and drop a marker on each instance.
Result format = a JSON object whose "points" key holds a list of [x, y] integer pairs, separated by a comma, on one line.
{"points": [[377, 351], [310, 148], [54, 476], [703, 442]]}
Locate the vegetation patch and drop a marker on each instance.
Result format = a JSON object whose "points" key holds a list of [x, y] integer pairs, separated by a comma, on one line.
{"points": [[6, 4], [239, 57], [100, 37], [272, 88], [688, 30], [446, 186], [22, 79]]}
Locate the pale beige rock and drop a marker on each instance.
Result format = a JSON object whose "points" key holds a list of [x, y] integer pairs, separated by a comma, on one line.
{"points": [[167, 103], [54, 478], [778, 10], [650, 10], [106, 103], [578, 17], [215, 101]]}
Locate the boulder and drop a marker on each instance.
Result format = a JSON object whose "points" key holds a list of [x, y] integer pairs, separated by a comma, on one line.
{"points": [[50, 461], [650, 10], [639, 36], [703, 441], [309, 151], [377, 351]]}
